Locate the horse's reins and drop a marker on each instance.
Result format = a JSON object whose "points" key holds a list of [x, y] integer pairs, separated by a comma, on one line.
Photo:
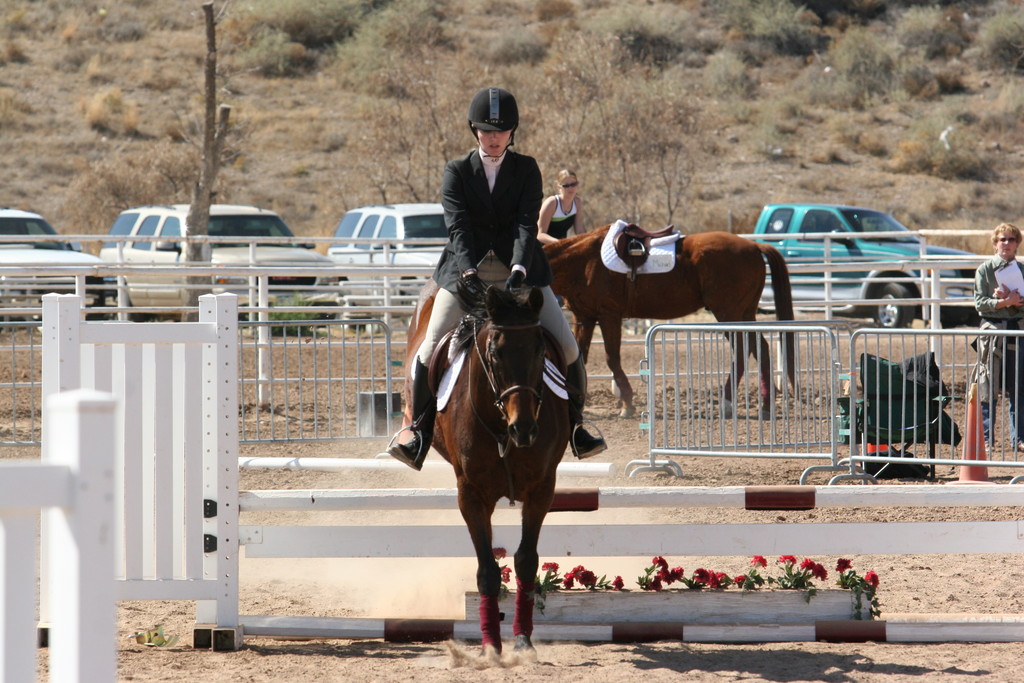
{"points": [[500, 397]]}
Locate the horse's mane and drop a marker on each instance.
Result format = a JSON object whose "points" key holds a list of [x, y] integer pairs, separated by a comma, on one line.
{"points": [[498, 306]]}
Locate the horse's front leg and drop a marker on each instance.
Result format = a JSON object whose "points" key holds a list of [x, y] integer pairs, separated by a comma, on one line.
{"points": [[477, 514], [611, 330], [526, 563]]}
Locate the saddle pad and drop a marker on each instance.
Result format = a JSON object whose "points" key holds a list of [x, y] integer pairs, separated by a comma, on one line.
{"points": [[662, 257], [552, 377]]}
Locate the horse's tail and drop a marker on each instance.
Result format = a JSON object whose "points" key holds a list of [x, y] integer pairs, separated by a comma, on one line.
{"points": [[783, 301], [780, 281]]}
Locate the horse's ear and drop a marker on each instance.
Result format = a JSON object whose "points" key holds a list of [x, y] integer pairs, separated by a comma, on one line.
{"points": [[492, 300], [536, 298]]}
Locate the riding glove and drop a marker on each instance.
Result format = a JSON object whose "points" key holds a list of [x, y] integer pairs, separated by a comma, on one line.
{"points": [[473, 285], [515, 280]]}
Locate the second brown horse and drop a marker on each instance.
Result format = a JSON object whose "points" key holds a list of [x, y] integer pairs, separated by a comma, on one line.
{"points": [[719, 271]]}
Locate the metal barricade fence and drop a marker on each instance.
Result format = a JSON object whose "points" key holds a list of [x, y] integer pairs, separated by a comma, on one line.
{"points": [[316, 380], [20, 375], [687, 367], [299, 380], [907, 405]]}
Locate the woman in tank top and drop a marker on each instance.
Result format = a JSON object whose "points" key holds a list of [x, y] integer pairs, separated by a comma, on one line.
{"points": [[559, 213]]}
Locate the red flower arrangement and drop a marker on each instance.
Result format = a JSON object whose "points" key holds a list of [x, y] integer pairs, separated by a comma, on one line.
{"points": [[795, 575]]}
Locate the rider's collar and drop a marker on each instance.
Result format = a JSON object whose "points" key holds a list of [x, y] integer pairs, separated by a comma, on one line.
{"points": [[489, 160]]}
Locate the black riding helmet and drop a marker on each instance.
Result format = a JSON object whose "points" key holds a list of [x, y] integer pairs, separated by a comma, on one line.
{"points": [[494, 109]]}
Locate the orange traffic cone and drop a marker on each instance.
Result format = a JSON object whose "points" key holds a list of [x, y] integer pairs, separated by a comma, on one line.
{"points": [[974, 443]]}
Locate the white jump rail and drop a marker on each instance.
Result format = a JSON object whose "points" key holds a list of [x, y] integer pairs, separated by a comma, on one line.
{"points": [[632, 540], [176, 445], [73, 486], [573, 469]]}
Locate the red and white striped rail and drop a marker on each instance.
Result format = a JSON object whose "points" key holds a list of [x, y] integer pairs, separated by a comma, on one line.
{"points": [[905, 629]]}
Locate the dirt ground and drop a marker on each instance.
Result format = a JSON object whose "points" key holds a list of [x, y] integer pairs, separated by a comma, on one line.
{"points": [[434, 588]]}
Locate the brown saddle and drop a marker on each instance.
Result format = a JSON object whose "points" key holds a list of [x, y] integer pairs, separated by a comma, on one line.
{"points": [[439, 361], [633, 244]]}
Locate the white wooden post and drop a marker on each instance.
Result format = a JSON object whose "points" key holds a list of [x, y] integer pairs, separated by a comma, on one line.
{"points": [[73, 485], [17, 599], [220, 452], [81, 540]]}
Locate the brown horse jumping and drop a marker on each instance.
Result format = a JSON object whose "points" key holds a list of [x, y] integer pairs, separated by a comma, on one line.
{"points": [[719, 271], [504, 432]]}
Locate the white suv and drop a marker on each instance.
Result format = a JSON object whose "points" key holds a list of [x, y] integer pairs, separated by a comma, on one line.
{"points": [[225, 221], [397, 223], [23, 291]]}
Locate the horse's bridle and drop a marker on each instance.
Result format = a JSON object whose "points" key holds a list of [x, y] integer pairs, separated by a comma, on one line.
{"points": [[500, 397]]}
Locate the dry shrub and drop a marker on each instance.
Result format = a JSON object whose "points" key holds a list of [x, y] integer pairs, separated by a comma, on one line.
{"points": [[13, 53], [72, 59], [125, 31], [1003, 114], [863, 67], [647, 34], [17, 20], [919, 82], [779, 25], [516, 46], [1001, 40], [950, 78], [279, 38], [13, 109], [950, 152], [936, 32], [95, 71], [316, 24], [162, 173], [108, 112], [549, 10], [69, 32], [157, 76], [272, 54], [949, 201], [817, 184], [726, 76], [387, 42], [827, 154], [871, 142]]}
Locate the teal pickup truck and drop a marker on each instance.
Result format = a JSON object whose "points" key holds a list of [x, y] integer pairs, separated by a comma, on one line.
{"points": [[845, 226]]}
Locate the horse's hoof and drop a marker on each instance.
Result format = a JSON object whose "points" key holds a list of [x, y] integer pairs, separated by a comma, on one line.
{"points": [[766, 413], [727, 411], [523, 644], [627, 412]]}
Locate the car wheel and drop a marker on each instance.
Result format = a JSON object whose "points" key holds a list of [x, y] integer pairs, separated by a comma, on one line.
{"points": [[890, 315]]}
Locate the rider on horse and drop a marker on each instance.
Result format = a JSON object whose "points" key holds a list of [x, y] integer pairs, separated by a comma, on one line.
{"points": [[491, 200]]}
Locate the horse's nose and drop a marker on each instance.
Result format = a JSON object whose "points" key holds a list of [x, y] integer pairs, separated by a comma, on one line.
{"points": [[523, 433]]}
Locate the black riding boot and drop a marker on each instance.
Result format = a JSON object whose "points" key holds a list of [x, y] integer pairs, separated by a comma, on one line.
{"points": [[583, 443], [424, 410]]}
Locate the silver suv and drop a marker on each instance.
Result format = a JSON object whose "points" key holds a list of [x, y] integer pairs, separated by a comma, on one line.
{"points": [[226, 220], [24, 291]]}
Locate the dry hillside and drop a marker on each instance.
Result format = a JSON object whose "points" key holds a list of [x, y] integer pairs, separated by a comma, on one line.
{"points": [[692, 112]]}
